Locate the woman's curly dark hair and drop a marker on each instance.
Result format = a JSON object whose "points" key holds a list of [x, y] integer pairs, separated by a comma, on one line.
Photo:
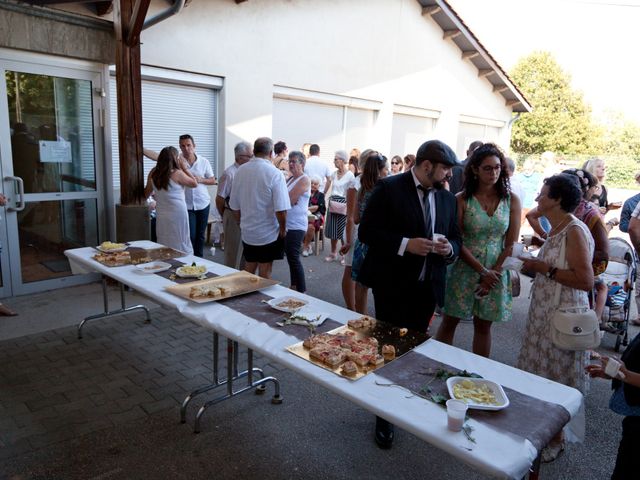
{"points": [[485, 150], [566, 187]]}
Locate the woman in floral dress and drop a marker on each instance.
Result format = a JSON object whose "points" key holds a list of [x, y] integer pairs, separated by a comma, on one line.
{"points": [[560, 195], [489, 218]]}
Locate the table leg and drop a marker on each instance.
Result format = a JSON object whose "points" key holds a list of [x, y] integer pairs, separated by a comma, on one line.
{"points": [[124, 309], [232, 374]]}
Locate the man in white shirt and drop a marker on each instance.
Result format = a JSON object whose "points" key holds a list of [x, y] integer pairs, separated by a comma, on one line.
{"points": [[198, 199], [232, 241], [260, 201], [319, 168]]}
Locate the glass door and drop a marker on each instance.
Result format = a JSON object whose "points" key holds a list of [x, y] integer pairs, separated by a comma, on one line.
{"points": [[49, 133]]}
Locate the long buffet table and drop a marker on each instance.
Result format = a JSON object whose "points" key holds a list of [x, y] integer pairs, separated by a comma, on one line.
{"points": [[495, 452]]}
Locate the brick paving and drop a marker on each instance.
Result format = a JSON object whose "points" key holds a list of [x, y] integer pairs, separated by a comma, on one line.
{"points": [[56, 387]]}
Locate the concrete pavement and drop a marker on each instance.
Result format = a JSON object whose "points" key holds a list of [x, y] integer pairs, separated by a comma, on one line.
{"points": [[106, 407]]}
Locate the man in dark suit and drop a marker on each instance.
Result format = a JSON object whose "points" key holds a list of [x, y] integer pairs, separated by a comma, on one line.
{"points": [[403, 215], [457, 173]]}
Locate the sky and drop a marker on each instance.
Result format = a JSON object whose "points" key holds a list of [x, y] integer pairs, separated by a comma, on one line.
{"points": [[595, 41]]}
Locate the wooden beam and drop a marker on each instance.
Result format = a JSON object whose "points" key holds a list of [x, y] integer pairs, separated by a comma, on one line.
{"points": [[432, 10], [482, 73], [469, 54], [511, 103], [140, 9], [129, 107], [451, 33], [500, 88]]}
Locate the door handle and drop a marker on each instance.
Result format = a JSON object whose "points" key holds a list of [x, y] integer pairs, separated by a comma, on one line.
{"points": [[21, 204]]}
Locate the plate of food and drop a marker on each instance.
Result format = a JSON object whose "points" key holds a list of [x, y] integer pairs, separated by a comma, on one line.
{"points": [[153, 267], [191, 271], [478, 393], [287, 304], [111, 247]]}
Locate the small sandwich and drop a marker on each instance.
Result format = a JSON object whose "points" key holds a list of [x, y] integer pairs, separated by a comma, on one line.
{"points": [[388, 352], [349, 368]]}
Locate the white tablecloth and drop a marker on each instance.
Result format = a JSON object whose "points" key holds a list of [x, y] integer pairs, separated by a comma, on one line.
{"points": [[497, 453]]}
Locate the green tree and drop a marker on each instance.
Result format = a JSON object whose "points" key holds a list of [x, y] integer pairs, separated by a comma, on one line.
{"points": [[621, 136], [561, 119]]}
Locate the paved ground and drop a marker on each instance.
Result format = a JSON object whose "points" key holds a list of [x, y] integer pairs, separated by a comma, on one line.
{"points": [[106, 407]]}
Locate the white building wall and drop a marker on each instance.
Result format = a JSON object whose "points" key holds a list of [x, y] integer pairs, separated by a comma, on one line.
{"points": [[380, 50]]}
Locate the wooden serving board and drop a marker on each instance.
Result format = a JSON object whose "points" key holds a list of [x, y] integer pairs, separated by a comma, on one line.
{"points": [[234, 284], [138, 255]]}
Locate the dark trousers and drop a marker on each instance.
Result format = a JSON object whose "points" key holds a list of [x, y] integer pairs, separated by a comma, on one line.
{"points": [[628, 460], [198, 220], [412, 308], [293, 248]]}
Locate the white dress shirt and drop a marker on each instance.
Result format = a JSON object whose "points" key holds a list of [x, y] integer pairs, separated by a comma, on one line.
{"points": [[259, 191], [198, 198], [315, 166]]}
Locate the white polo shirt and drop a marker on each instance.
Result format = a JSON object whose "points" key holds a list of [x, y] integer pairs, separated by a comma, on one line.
{"points": [[198, 198], [226, 181], [259, 191]]}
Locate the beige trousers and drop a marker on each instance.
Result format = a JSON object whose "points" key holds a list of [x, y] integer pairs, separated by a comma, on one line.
{"points": [[232, 242]]}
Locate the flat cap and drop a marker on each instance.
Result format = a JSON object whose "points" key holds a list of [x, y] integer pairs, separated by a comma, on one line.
{"points": [[436, 152]]}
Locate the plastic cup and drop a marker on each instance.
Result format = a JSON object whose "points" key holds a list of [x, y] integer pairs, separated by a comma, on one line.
{"points": [[438, 237], [456, 411]]}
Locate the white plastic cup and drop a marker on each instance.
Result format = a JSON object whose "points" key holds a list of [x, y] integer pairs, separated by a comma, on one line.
{"points": [[613, 368], [438, 237], [456, 411]]}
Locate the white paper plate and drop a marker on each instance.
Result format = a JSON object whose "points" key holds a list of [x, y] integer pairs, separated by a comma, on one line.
{"points": [[153, 267], [275, 303], [181, 274], [501, 397], [111, 250]]}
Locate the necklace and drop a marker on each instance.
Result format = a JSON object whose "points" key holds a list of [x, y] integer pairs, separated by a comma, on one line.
{"points": [[560, 226]]}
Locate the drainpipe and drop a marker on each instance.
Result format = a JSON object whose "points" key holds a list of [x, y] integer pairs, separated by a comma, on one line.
{"points": [[174, 9]]}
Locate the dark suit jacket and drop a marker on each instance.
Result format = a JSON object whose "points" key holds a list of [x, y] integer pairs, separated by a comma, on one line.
{"points": [[393, 213]]}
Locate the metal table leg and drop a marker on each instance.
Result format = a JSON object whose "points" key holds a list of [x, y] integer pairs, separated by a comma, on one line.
{"points": [[122, 310], [232, 375]]}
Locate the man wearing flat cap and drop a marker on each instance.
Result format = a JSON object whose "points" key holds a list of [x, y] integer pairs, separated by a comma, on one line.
{"points": [[410, 226]]}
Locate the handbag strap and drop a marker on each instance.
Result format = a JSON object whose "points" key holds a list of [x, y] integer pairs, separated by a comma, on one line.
{"points": [[561, 263]]}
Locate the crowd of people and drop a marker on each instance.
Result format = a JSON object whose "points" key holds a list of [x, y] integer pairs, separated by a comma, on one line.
{"points": [[445, 227]]}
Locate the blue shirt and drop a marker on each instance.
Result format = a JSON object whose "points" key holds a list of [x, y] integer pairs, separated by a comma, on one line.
{"points": [[627, 209]]}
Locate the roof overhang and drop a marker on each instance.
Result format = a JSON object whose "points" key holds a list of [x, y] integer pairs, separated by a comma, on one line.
{"points": [[455, 30]]}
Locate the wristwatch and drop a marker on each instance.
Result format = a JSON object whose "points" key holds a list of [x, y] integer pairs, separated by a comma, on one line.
{"points": [[551, 272]]}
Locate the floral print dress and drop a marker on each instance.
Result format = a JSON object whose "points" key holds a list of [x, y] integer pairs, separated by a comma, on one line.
{"points": [[538, 353], [483, 235]]}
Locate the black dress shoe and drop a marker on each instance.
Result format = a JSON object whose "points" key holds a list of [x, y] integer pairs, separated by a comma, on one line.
{"points": [[384, 433]]}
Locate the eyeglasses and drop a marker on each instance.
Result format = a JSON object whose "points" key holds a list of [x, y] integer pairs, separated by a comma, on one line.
{"points": [[395, 163], [488, 168]]}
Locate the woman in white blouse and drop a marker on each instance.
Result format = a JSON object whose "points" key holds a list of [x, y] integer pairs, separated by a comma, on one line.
{"points": [[337, 204]]}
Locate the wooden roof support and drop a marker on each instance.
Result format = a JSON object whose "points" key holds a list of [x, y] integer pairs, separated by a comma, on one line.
{"points": [[485, 72], [451, 33], [466, 54], [128, 17], [432, 10]]}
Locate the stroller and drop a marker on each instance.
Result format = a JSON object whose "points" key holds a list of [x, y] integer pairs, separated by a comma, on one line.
{"points": [[620, 278]]}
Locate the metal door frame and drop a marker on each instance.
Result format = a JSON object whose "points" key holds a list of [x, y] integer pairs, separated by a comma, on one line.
{"points": [[25, 62]]}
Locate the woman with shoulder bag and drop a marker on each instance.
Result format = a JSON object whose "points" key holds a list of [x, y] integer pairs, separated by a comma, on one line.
{"points": [[337, 208], [572, 276]]}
